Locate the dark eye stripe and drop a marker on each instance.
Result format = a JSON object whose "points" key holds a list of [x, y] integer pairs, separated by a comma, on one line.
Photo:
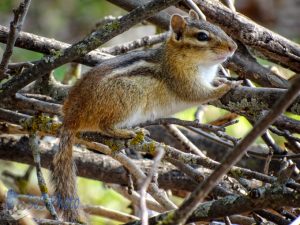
{"points": [[202, 36]]}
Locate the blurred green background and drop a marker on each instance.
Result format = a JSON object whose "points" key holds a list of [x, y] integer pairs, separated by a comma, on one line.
{"points": [[69, 21]]}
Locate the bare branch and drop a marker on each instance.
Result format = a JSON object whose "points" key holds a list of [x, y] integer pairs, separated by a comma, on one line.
{"points": [[15, 28], [271, 197], [145, 185], [142, 42], [33, 142]]}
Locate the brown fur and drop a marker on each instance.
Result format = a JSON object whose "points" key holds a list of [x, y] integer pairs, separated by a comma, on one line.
{"points": [[108, 95]]}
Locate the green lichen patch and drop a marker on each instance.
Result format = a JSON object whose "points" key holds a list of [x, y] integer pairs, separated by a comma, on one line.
{"points": [[111, 144], [41, 123], [168, 219], [236, 172], [114, 25], [138, 139], [151, 148]]}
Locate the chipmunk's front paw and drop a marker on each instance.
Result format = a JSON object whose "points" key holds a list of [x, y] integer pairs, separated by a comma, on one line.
{"points": [[234, 84], [219, 81], [226, 87]]}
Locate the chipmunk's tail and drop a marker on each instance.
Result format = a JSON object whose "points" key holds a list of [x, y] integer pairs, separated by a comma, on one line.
{"points": [[64, 177]]}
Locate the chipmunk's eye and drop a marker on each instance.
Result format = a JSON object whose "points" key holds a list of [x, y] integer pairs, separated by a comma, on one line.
{"points": [[202, 36]]}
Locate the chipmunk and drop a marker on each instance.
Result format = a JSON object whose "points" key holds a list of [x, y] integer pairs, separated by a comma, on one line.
{"points": [[113, 99]]}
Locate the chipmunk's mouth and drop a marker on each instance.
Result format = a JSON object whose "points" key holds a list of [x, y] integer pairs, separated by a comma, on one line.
{"points": [[223, 57]]}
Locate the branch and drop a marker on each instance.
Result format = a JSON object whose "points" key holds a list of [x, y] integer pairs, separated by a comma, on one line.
{"points": [[110, 171], [129, 46], [15, 28], [47, 46], [92, 165], [146, 183], [147, 146], [33, 143], [271, 197], [253, 100]]}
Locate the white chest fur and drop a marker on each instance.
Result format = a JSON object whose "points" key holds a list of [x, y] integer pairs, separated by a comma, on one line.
{"points": [[207, 73]]}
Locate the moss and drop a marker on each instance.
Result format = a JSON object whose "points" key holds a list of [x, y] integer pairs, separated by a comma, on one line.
{"points": [[111, 144], [43, 188], [81, 49], [151, 148], [236, 172], [138, 139], [40, 123], [168, 219], [54, 54], [114, 25], [57, 53]]}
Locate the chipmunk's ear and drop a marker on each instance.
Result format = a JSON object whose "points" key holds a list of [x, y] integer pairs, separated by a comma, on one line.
{"points": [[178, 25], [193, 15]]}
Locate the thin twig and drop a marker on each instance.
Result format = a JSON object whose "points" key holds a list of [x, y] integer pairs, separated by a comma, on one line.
{"points": [[108, 213], [33, 142], [135, 198], [15, 28], [146, 41], [230, 4], [199, 113], [185, 123], [183, 139], [146, 183], [272, 217], [24, 102], [193, 6], [227, 220], [196, 176]]}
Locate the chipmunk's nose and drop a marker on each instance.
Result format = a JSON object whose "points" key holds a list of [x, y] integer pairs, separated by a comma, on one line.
{"points": [[232, 47]]}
